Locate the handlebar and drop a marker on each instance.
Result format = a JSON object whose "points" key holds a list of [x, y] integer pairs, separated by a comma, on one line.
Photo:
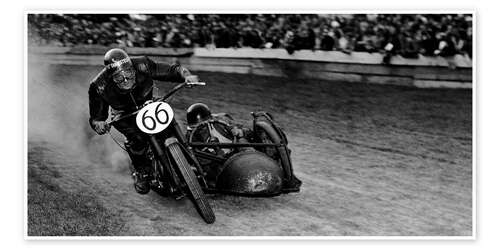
{"points": [[178, 87], [196, 83], [163, 98]]}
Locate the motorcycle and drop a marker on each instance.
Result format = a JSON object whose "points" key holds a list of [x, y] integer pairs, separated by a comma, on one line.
{"points": [[183, 166], [175, 169]]}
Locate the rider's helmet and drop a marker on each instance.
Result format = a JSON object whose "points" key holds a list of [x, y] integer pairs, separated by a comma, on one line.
{"points": [[114, 55], [197, 113], [121, 68]]}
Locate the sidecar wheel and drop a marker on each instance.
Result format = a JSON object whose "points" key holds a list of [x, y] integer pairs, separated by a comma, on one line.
{"points": [[194, 188]]}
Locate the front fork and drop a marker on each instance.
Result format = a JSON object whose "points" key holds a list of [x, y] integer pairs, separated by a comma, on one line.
{"points": [[189, 152], [163, 159]]}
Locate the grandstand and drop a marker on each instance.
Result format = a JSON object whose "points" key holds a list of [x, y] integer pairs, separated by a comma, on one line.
{"points": [[408, 35]]}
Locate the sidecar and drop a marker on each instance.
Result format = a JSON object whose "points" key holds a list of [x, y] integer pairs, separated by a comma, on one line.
{"points": [[258, 165]]}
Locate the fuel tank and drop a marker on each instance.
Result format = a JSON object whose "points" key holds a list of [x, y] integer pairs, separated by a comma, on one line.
{"points": [[250, 173]]}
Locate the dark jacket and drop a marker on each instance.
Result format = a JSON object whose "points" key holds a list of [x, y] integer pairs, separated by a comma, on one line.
{"points": [[103, 92]]}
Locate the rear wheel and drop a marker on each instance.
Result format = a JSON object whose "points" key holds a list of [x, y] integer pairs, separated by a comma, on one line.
{"points": [[193, 187], [161, 185]]}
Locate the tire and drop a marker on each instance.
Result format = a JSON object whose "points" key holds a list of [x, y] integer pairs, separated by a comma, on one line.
{"points": [[188, 176], [280, 154]]}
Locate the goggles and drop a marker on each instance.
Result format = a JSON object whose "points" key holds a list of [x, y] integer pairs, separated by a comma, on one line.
{"points": [[122, 75]]}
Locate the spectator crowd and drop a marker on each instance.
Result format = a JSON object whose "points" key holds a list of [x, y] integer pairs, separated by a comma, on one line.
{"points": [[407, 35]]}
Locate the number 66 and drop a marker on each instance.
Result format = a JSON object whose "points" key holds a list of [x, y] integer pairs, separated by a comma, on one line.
{"points": [[162, 115]]}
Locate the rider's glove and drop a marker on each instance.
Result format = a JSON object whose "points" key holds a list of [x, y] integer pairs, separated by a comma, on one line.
{"points": [[101, 127], [191, 78]]}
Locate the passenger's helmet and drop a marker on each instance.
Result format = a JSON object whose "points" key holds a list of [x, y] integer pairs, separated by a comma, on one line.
{"points": [[197, 113], [121, 69]]}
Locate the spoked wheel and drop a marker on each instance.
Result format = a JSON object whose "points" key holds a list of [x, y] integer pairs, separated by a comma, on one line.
{"points": [[193, 187]]}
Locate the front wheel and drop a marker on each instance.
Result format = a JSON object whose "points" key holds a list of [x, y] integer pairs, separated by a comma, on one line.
{"points": [[188, 176]]}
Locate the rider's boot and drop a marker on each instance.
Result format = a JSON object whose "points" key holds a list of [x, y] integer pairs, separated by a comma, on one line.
{"points": [[142, 165]]}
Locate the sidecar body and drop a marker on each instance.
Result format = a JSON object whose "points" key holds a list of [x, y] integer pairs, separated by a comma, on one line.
{"points": [[250, 173], [260, 165]]}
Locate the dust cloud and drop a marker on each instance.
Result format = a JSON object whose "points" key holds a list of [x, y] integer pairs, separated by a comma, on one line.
{"points": [[58, 115]]}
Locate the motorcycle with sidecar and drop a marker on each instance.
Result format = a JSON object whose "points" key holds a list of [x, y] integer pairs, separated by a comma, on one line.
{"points": [[184, 167]]}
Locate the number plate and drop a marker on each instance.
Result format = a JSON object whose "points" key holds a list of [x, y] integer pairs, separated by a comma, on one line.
{"points": [[154, 117]]}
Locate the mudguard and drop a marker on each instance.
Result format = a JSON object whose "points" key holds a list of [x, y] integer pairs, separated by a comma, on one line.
{"points": [[266, 130], [250, 173]]}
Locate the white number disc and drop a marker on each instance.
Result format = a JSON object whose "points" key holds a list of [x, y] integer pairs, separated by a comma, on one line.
{"points": [[154, 117]]}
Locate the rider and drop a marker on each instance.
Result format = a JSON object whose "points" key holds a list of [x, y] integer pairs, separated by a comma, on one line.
{"points": [[124, 84]]}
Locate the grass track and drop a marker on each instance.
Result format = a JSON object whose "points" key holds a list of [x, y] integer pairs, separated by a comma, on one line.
{"points": [[375, 160]]}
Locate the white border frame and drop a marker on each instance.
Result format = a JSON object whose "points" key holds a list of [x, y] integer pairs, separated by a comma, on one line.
{"points": [[237, 238]]}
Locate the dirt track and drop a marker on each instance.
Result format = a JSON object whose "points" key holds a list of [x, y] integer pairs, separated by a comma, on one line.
{"points": [[374, 160]]}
